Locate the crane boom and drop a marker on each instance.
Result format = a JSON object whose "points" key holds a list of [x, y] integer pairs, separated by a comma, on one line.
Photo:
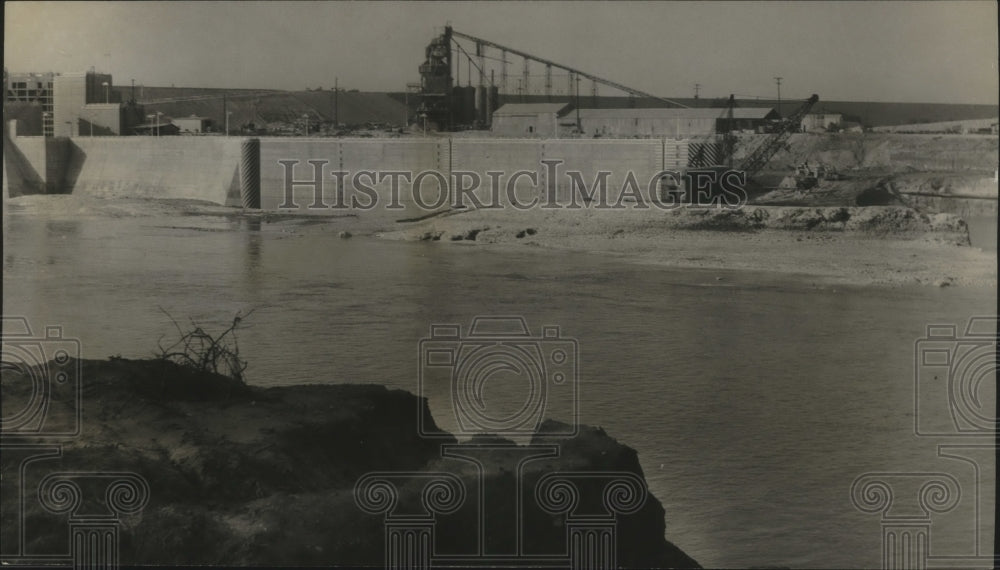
{"points": [[765, 151], [577, 72]]}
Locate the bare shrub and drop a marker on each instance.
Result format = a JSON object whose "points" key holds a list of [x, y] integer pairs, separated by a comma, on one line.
{"points": [[198, 349]]}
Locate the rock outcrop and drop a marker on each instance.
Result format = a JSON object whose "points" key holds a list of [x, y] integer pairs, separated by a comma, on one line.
{"points": [[240, 475]]}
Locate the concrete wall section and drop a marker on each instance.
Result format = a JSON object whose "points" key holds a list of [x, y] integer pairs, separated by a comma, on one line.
{"points": [[155, 167], [24, 170], [619, 158], [207, 168], [353, 156], [58, 153], [675, 154], [506, 156], [33, 165], [632, 162]]}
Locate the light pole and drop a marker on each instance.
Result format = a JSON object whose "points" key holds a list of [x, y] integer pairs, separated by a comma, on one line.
{"points": [[157, 117], [227, 122], [107, 92], [306, 117]]}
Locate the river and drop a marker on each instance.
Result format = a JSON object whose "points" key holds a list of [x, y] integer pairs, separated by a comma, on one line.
{"points": [[753, 402]]}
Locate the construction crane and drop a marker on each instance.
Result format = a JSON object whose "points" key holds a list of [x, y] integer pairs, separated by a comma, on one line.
{"points": [[752, 164]]}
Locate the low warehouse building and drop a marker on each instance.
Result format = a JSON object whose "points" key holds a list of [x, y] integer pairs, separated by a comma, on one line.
{"points": [[528, 119], [670, 123], [162, 127]]}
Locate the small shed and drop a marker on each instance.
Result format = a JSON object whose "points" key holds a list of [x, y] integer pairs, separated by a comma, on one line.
{"points": [[528, 119], [193, 125]]}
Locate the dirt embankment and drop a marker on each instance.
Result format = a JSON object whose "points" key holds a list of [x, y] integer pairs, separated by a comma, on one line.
{"points": [[892, 222], [932, 173], [889, 152], [246, 476], [880, 245]]}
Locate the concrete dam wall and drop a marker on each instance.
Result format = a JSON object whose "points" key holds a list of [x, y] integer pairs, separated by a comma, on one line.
{"points": [[285, 165], [209, 168], [200, 168]]}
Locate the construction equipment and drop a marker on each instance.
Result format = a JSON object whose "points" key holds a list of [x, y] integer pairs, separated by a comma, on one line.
{"points": [[752, 164], [551, 64], [806, 176]]}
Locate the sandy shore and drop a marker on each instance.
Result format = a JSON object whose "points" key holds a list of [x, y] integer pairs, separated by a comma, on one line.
{"points": [[882, 246], [869, 246]]}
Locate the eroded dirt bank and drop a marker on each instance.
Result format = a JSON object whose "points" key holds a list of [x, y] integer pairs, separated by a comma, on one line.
{"points": [[248, 476]]}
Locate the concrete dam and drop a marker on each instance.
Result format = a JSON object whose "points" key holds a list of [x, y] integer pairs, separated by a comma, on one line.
{"points": [[209, 168]]}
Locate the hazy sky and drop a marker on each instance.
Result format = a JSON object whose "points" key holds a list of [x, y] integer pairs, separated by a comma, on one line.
{"points": [[894, 51]]}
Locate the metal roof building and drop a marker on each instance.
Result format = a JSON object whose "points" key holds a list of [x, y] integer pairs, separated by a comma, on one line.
{"points": [[528, 119], [670, 123]]}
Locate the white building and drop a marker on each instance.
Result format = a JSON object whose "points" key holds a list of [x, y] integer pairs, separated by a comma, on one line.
{"points": [[666, 123], [193, 125], [528, 119], [85, 104], [821, 122]]}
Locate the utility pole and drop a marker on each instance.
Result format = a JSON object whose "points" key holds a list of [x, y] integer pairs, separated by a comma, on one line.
{"points": [[578, 125], [697, 88], [336, 103], [778, 81], [729, 142]]}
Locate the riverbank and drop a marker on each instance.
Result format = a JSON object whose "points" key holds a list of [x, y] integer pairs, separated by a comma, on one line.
{"points": [[239, 475], [877, 245]]}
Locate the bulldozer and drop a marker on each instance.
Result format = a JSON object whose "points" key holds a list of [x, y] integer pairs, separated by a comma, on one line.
{"points": [[807, 177]]}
